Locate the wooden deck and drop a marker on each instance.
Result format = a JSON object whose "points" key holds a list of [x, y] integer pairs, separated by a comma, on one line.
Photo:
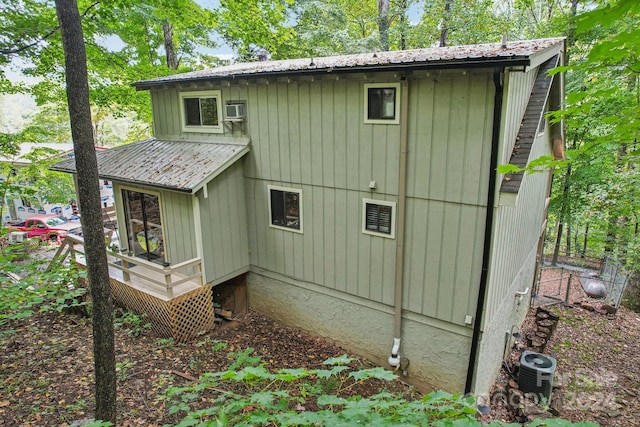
{"points": [[173, 297]]}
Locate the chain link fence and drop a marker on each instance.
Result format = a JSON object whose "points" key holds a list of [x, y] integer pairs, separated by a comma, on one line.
{"points": [[563, 281]]}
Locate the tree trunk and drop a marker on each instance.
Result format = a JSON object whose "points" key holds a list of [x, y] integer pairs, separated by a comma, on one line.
{"points": [[172, 59], [403, 19], [383, 24], [444, 31], [563, 215], [556, 249], [584, 242], [89, 198]]}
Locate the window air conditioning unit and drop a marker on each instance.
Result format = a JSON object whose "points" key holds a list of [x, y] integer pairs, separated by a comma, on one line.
{"points": [[234, 112], [536, 374]]}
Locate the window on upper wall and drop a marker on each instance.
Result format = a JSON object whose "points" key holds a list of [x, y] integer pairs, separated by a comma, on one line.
{"points": [[378, 218], [382, 103], [285, 208], [201, 111]]}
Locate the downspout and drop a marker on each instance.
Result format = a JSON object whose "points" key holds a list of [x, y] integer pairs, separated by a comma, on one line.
{"points": [[498, 81], [394, 359]]}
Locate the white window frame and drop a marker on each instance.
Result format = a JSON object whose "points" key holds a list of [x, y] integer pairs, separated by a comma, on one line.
{"points": [[392, 234], [288, 190], [396, 119], [121, 201], [219, 128]]}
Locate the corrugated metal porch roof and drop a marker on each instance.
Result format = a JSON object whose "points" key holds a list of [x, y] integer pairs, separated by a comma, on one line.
{"points": [[172, 165], [491, 54]]}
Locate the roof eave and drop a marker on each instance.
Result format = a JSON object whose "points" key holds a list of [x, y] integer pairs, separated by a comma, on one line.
{"points": [[127, 181], [237, 156], [514, 61]]}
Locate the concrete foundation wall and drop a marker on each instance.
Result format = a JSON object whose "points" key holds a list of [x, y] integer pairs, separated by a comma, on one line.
{"points": [[438, 351], [508, 317]]}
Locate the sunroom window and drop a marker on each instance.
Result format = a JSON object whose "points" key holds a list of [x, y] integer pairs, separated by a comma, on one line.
{"points": [[144, 225]]}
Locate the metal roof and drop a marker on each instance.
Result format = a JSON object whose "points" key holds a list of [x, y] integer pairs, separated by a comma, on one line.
{"points": [[173, 165], [514, 53]]}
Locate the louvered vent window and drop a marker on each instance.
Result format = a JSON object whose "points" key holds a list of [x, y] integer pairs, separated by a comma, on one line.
{"points": [[379, 218]]}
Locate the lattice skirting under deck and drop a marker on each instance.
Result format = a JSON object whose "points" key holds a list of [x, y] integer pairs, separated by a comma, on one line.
{"points": [[182, 318]]}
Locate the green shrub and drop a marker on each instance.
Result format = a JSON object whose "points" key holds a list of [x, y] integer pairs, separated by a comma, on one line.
{"points": [[268, 400], [36, 289]]}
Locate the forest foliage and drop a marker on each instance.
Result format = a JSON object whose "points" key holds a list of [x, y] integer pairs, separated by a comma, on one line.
{"points": [[594, 201]]}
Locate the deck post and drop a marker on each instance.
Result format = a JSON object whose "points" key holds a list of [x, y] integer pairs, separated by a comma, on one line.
{"points": [[125, 274], [167, 281], [72, 254]]}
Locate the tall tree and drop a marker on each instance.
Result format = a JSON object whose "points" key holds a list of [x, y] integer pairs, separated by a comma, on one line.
{"points": [[126, 41], [331, 27], [251, 26], [444, 27], [383, 23], [603, 107], [449, 22], [89, 194]]}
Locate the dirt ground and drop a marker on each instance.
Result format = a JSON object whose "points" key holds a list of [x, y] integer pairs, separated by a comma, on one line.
{"points": [[46, 364], [598, 353], [46, 367]]}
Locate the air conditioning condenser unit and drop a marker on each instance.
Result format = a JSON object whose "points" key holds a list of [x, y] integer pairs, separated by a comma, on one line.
{"points": [[536, 374]]}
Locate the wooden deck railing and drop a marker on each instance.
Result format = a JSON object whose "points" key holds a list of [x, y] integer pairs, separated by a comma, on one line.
{"points": [[159, 277]]}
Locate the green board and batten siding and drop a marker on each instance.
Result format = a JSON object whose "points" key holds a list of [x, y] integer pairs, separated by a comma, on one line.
{"points": [[310, 134], [517, 229], [449, 148], [223, 226]]}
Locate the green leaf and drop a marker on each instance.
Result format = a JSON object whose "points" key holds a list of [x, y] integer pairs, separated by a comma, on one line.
{"points": [[340, 360], [326, 400], [378, 373]]}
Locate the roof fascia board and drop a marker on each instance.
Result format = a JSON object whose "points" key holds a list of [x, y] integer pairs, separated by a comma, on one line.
{"points": [[468, 63], [541, 57]]}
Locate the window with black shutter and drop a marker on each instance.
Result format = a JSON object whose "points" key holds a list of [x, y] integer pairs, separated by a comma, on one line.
{"points": [[378, 218]]}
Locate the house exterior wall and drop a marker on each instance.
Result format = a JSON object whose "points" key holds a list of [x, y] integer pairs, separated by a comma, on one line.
{"points": [[308, 133], [321, 146], [177, 221], [223, 225], [517, 229], [449, 148], [437, 350]]}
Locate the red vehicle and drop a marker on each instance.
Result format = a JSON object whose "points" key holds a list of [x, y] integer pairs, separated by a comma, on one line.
{"points": [[47, 227]]}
